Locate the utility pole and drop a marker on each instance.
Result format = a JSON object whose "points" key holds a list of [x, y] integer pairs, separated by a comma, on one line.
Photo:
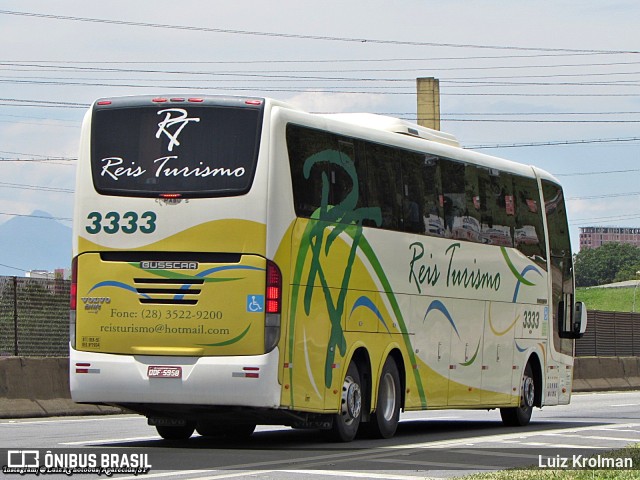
{"points": [[428, 90]]}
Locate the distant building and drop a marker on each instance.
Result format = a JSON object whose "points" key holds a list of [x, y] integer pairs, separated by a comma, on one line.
{"points": [[594, 237], [57, 274], [40, 274]]}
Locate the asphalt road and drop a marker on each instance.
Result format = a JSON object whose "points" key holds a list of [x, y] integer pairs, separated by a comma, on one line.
{"points": [[437, 444]]}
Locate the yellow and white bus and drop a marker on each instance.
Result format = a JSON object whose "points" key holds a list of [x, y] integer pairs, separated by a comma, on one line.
{"points": [[238, 261]]}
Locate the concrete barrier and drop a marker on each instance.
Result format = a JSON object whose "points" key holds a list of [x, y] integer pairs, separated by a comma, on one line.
{"points": [[592, 374], [39, 387]]}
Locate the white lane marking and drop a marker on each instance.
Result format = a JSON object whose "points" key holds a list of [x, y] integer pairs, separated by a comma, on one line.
{"points": [[170, 473], [489, 451], [436, 444], [591, 437], [111, 440], [252, 473], [561, 445], [104, 418], [497, 438], [346, 473], [444, 465], [249, 474], [377, 454], [208, 477], [621, 430], [626, 405]]}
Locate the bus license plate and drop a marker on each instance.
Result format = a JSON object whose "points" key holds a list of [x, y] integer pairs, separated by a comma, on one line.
{"points": [[164, 372]]}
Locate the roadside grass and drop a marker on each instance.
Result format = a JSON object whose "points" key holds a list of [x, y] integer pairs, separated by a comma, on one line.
{"points": [[535, 473], [609, 299]]}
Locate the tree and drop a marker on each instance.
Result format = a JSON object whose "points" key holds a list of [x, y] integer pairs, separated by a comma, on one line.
{"points": [[605, 264], [629, 272]]}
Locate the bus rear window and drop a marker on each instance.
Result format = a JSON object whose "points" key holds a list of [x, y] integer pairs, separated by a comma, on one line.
{"points": [[183, 149]]}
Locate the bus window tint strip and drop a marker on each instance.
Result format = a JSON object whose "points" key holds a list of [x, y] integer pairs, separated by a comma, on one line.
{"points": [[418, 192]]}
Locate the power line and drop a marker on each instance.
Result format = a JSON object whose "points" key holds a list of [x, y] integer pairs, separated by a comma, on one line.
{"points": [[302, 36], [39, 124], [12, 67], [499, 120], [45, 217], [588, 221], [553, 143], [63, 68], [615, 217], [605, 195], [379, 90], [14, 268], [41, 188], [41, 157], [305, 61], [494, 114], [578, 174], [43, 102]]}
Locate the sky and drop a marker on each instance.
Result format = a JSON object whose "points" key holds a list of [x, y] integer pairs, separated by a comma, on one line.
{"points": [[552, 84]]}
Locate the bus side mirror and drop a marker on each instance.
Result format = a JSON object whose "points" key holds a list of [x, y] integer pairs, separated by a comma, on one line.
{"points": [[580, 319], [572, 324]]}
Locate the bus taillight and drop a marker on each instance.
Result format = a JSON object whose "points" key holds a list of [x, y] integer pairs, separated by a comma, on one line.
{"points": [[273, 303], [274, 288], [73, 302], [74, 284]]}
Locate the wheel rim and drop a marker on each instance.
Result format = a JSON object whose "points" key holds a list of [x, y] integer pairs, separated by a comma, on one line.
{"points": [[387, 397], [528, 392], [351, 400]]}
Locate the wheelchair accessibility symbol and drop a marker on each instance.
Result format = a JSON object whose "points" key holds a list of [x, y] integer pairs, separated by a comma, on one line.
{"points": [[255, 303]]}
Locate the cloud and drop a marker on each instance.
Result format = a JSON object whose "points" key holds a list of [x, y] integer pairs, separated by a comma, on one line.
{"points": [[336, 102]]}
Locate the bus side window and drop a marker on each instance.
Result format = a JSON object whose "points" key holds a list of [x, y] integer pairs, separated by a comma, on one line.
{"points": [[383, 182], [302, 143], [412, 192], [560, 260], [453, 200], [346, 179], [471, 215], [433, 201], [529, 230]]}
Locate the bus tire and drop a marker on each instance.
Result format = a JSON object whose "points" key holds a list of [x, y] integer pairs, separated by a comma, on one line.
{"points": [[384, 421], [171, 432], [521, 416], [346, 423]]}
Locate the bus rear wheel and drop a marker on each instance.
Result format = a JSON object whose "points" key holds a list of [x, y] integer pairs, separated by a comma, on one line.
{"points": [[346, 423], [521, 416], [384, 421], [174, 432]]}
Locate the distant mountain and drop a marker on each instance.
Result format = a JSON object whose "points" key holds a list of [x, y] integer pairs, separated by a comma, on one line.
{"points": [[37, 242]]}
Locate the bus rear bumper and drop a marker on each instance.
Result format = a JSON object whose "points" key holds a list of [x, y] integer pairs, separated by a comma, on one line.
{"points": [[250, 381]]}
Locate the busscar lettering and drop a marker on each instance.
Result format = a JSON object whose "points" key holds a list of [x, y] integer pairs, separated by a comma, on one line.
{"points": [[169, 265]]}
